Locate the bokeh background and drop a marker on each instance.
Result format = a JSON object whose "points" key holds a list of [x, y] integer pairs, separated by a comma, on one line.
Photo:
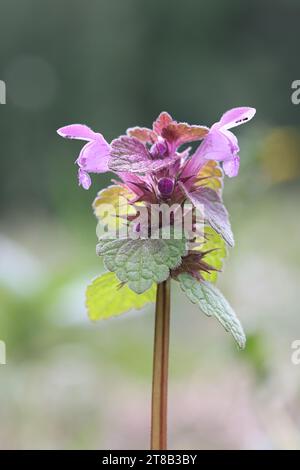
{"points": [[112, 64]]}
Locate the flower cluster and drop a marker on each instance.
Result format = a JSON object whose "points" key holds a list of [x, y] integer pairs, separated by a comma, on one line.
{"points": [[146, 151], [159, 166]]}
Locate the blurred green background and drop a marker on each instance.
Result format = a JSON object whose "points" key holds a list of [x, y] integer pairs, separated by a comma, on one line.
{"points": [[112, 64]]}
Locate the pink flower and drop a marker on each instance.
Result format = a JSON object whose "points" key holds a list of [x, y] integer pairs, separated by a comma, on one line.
{"points": [[155, 153], [155, 164], [93, 157], [220, 144]]}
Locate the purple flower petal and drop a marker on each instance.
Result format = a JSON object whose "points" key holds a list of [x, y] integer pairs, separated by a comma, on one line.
{"points": [[232, 140], [222, 145], [216, 146], [77, 131], [94, 156], [236, 116], [84, 179], [231, 167]]}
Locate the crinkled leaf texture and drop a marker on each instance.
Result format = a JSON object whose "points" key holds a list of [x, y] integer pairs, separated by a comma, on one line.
{"points": [[181, 132], [141, 262], [105, 297], [213, 303], [215, 212], [130, 155]]}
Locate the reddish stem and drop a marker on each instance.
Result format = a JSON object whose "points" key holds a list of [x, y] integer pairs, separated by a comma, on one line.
{"points": [[160, 368]]}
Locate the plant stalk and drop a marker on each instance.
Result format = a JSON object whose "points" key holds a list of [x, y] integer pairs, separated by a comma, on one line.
{"points": [[160, 368]]}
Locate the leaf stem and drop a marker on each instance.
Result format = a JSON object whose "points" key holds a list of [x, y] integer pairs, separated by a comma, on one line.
{"points": [[160, 368]]}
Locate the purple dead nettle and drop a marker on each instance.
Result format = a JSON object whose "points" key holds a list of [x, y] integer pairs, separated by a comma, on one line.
{"points": [[93, 157], [146, 151], [222, 145], [157, 166], [159, 175]]}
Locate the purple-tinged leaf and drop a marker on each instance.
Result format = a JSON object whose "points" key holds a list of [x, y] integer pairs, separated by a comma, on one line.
{"points": [[215, 212], [181, 133], [143, 134], [130, 155], [163, 120]]}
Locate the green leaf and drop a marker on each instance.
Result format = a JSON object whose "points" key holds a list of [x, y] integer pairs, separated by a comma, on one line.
{"points": [[210, 176], [141, 262], [215, 258], [105, 298], [117, 197], [212, 241], [213, 303]]}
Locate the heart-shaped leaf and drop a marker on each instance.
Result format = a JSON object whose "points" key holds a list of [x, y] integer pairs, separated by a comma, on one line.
{"points": [[141, 262], [106, 298]]}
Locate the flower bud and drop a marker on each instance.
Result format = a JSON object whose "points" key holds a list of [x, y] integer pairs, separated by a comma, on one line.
{"points": [[159, 149], [165, 186]]}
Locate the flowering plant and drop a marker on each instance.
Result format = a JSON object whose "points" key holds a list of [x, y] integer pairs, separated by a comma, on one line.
{"points": [[163, 219]]}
